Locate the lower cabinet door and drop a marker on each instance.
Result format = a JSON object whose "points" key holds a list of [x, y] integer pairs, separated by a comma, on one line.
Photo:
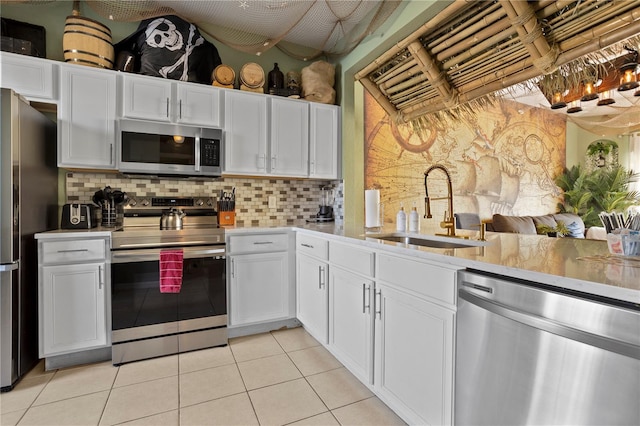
{"points": [[414, 356], [73, 308], [259, 288], [312, 296], [350, 321]]}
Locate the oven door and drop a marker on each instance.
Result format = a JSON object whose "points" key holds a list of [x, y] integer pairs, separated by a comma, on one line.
{"points": [[140, 311]]}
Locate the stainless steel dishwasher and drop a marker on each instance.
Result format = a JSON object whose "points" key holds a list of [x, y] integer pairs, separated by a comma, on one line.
{"points": [[531, 355]]}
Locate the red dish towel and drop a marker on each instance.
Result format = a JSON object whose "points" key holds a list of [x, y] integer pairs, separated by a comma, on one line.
{"points": [[170, 271]]}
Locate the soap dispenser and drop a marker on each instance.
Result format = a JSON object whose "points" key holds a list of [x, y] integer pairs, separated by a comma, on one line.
{"points": [[414, 220], [401, 220]]}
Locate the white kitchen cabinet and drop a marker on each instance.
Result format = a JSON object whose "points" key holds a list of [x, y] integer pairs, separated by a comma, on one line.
{"points": [[266, 135], [260, 283], [324, 141], [289, 142], [312, 295], [154, 98], [414, 338], [31, 77], [86, 118], [245, 125], [351, 321], [73, 278]]}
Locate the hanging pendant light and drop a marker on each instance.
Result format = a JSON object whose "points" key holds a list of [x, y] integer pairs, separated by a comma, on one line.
{"points": [[589, 91], [574, 106], [629, 79], [606, 98], [557, 101]]}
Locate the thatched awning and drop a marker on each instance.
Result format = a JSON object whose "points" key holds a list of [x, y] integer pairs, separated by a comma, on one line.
{"points": [[472, 49]]}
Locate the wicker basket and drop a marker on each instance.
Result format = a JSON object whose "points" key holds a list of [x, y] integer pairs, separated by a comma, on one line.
{"points": [[87, 42]]}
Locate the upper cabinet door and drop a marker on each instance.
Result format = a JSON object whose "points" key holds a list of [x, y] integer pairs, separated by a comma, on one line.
{"points": [[31, 77], [245, 125], [86, 118], [289, 138], [324, 142], [198, 104], [147, 98]]}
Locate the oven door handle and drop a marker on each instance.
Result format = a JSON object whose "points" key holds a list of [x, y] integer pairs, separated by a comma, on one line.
{"points": [[142, 255]]}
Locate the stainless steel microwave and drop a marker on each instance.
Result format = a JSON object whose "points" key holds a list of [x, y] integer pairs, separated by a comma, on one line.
{"points": [[152, 148]]}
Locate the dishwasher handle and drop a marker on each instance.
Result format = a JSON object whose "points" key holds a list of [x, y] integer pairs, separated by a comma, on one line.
{"points": [[550, 326]]}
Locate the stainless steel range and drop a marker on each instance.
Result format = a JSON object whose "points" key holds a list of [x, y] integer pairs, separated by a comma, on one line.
{"points": [[146, 322]]}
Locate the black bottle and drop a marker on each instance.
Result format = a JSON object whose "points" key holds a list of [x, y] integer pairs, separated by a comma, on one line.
{"points": [[275, 79]]}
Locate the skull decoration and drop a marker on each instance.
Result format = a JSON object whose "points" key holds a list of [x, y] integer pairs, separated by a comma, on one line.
{"points": [[162, 33]]}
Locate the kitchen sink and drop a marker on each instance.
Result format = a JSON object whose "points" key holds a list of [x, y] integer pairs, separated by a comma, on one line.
{"points": [[429, 241]]}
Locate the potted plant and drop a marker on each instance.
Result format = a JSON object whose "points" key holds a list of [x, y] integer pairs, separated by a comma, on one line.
{"points": [[560, 230], [587, 193]]}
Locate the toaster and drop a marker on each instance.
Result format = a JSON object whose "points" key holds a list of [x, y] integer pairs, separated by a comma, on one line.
{"points": [[78, 216]]}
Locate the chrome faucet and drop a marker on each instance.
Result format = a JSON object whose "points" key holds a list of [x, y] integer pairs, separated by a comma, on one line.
{"points": [[448, 223]]}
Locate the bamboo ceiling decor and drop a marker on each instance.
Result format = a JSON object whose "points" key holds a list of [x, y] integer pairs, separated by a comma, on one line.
{"points": [[472, 50]]}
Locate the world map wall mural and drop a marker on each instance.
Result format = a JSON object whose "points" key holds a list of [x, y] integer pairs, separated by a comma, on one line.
{"points": [[504, 161]]}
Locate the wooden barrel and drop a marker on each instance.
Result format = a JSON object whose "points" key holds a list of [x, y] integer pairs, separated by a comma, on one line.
{"points": [[224, 75], [87, 42], [252, 75]]}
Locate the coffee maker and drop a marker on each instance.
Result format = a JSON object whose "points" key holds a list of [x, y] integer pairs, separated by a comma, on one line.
{"points": [[325, 213]]}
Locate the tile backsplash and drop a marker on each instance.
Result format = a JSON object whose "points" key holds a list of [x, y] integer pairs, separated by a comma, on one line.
{"points": [[296, 200]]}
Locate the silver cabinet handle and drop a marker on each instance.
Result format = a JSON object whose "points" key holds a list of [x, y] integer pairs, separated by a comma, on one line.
{"points": [[72, 250], [6, 267], [100, 276], [262, 161], [111, 153], [366, 306], [180, 108], [233, 268], [273, 163], [167, 107], [378, 303], [306, 245], [321, 282], [263, 242]]}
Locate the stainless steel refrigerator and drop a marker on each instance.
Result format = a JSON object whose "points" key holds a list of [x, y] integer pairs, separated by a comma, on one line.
{"points": [[28, 205]]}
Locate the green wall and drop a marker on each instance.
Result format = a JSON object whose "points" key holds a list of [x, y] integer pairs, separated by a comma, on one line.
{"points": [[52, 15], [579, 139]]}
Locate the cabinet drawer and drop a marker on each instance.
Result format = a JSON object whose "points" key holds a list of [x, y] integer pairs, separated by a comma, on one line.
{"points": [[73, 251], [351, 258], [312, 246], [258, 243], [430, 280]]}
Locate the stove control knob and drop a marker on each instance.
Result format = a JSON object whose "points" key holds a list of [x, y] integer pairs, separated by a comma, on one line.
{"points": [[144, 202], [210, 202], [199, 202], [132, 202]]}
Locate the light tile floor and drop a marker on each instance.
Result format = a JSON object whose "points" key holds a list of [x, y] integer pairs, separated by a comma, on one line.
{"points": [[277, 378]]}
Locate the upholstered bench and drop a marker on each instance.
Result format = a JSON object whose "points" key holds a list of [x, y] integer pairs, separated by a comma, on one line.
{"points": [[527, 224]]}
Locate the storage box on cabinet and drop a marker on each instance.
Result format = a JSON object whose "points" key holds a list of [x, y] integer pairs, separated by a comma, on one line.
{"points": [[434, 281]]}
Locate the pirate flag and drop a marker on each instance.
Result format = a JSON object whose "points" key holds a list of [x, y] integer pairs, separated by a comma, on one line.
{"points": [[170, 47]]}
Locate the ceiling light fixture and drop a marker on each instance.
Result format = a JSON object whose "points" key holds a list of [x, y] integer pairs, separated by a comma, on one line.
{"points": [[606, 98], [574, 106], [557, 101], [629, 79], [589, 92]]}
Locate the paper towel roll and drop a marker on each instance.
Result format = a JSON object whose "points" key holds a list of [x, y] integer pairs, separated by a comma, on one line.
{"points": [[371, 208]]}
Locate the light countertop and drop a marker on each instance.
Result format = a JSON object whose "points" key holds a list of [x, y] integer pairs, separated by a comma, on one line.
{"points": [[576, 264]]}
